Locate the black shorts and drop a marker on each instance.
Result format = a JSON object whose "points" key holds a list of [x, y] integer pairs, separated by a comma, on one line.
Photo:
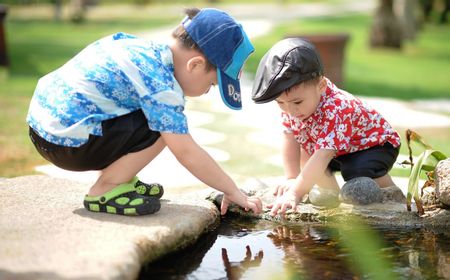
{"points": [[373, 162], [122, 135]]}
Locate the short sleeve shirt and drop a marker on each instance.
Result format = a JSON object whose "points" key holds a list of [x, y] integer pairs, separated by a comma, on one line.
{"points": [[111, 77], [342, 123]]}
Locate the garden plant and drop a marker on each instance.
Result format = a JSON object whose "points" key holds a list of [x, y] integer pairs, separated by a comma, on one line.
{"points": [[426, 162]]}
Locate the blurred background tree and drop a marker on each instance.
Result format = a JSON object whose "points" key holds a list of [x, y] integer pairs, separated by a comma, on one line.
{"points": [[386, 29], [408, 13], [395, 21], [442, 6], [58, 9]]}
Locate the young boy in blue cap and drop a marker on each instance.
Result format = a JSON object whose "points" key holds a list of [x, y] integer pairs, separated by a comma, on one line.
{"points": [[120, 101], [326, 129]]}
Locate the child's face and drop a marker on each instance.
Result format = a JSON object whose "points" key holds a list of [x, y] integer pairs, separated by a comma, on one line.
{"points": [[202, 83], [301, 101], [197, 80]]}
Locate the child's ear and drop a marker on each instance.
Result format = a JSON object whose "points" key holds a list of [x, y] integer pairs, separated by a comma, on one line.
{"points": [[196, 63], [322, 84]]}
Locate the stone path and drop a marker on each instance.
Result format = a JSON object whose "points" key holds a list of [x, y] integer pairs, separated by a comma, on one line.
{"points": [[47, 234]]}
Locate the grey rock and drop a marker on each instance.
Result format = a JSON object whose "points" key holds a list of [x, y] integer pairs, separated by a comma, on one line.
{"points": [[429, 197], [393, 194], [361, 191], [324, 197], [442, 177], [47, 234]]}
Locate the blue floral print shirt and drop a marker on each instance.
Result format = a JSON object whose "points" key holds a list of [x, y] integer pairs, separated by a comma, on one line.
{"points": [[111, 77]]}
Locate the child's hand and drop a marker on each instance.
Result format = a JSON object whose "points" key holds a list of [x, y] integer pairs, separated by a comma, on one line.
{"points": [[284, 187], [282, 203], [247, 202]]}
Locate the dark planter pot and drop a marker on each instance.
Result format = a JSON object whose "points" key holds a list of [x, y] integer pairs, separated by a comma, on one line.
{"points": [[331, 48], [3, 54]]}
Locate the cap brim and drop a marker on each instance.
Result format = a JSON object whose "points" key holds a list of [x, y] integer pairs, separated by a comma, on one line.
{"points": [[230, 90], [278, 84]]}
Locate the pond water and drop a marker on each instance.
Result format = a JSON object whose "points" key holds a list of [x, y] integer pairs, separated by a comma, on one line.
{"points": [[249, 249]]}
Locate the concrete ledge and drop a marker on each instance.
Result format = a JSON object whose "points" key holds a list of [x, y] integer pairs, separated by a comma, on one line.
{"points": [[47, 234]]}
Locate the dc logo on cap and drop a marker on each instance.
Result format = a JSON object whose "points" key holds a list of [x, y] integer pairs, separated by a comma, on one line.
{"points": [[233, 93]]}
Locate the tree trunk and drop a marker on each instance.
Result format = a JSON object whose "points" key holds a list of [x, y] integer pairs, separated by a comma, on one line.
{"points": [[386, 29], [78, 11], [4, 61], [58, 10], [407, 12]]}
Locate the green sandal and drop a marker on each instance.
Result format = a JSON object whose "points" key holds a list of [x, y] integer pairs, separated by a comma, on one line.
{"points": [[122, 200], [151, 190]]}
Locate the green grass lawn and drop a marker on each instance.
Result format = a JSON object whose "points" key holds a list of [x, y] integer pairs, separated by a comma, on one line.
{"points": [[38, 46]]}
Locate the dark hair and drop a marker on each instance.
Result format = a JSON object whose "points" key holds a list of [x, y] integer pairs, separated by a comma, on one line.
{"points": [[180, 34]]}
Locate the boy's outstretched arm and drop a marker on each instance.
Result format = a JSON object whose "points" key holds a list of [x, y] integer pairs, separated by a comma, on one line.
{"points": [[205, 168], [312, 171], [290, 152], [291, 155]]}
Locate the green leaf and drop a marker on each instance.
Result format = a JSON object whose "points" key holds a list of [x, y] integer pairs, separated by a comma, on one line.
{"points": [[427, 161], [438, 155]]}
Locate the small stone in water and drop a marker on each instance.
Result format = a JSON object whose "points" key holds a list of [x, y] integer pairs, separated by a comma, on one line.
{"points": [[324, 197]]}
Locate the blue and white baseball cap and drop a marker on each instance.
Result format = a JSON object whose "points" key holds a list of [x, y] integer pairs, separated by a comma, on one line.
{"points": [[223, 41]]}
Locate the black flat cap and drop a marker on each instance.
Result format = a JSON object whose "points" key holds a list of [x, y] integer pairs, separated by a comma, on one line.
{"points": [[289, 62]]}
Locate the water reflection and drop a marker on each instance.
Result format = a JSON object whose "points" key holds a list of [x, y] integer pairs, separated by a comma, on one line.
{"points": [[235, 270], [248, 249], [419, 254], [310, 253]]}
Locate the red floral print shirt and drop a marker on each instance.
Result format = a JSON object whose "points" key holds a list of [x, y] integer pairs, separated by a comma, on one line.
{"points": [[342, 123]]}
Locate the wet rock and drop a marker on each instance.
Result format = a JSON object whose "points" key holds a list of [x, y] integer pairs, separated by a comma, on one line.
{"points": [[361, 191], [393, 194], [442, 177], [303, 213], [324, 197]]}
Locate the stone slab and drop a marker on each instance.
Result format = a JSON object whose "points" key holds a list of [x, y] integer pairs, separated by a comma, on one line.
{"points": [[47, 234]]}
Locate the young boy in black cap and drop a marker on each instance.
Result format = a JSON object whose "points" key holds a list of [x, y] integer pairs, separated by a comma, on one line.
{"points": [[326, 129], [120, 101]]}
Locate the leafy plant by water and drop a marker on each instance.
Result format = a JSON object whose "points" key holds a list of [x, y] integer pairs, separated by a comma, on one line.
{"points": [[427, 162], [364, 245]]}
